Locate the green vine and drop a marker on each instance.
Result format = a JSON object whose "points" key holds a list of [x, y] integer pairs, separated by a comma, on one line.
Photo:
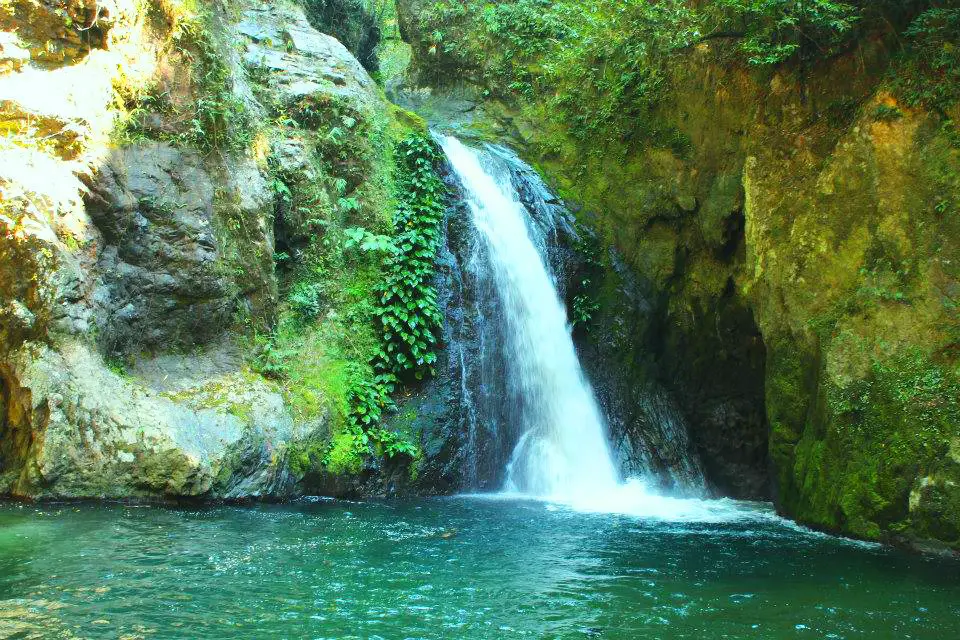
{"points": [[408, 317], [585, 304], [408, 314]]}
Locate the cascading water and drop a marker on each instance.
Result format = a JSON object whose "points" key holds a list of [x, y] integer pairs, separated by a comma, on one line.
{"points": [[526, 403], [562, 452]]}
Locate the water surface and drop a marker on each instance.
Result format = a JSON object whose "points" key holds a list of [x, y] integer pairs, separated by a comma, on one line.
{"points": [[455, 568]]}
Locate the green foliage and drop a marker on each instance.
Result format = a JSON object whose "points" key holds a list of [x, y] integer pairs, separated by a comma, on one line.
{"points": [[886, 276], [583, 308], [598, 67], [585, 304], [281, 191], [887, 113], [346, 453], [597, 64], [368, 398], [367, 241], [774, 31], [528, 26], [117, 365], [929, 70], [407, 311], [216, 119], [394, 445], [407, 315], [269, 359], [897, 423], [306, 300], [329, 349]]}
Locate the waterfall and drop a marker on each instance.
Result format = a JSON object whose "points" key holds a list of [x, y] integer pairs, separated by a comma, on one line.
{"points": [[527, 405], [562, 452]]}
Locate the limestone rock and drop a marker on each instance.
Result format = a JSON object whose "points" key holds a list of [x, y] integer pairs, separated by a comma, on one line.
{"points": [[154, 205], [100, 434], [301, 62], [142, 251]]}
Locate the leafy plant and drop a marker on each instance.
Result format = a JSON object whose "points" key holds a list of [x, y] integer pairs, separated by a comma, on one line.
{"points": [[215, 118], [219, 120], [583, 309], [117, 365], [408, 314], [929, 73], [774, 31], [367, 241], [887, 113], [306, 300], [348, 205], [597, 65], [368, 398], [269, 359], [281, 190], [527, 25], [585, 305], [406, 311], [394, 445]]}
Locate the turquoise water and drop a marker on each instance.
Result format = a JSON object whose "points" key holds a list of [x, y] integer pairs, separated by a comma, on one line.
{"points": [[454, 568]]}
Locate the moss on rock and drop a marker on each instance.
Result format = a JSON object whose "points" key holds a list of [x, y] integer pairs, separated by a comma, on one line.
{"points": [[771, 202]]}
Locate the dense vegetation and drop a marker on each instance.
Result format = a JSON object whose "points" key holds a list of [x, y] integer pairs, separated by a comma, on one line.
{"points": [[357, 209], [361, 317], [601, 64], [207, 114], [408, 319]]}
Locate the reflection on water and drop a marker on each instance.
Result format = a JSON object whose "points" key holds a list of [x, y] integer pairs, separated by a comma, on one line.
{"points": [[455, 568]]}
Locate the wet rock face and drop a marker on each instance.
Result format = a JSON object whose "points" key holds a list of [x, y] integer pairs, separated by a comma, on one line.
{"points": [[163, 284], [715, 363]]}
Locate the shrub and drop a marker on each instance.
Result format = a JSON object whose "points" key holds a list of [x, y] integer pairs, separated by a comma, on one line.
{"points": [[306, 301], [774, 31]]}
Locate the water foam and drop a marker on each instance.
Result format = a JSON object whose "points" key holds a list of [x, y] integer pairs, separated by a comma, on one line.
{"points": [[563, 452]]}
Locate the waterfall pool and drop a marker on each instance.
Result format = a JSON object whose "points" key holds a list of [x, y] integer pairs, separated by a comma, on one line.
{"points": [[466, 567]]}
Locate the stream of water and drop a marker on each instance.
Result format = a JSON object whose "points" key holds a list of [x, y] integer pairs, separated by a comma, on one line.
{"points": [[472, 568], [568, 549], [562, 451]]}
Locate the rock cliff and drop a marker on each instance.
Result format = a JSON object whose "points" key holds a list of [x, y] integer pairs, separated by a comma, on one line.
{"points": [[149, 151], [788, 233]]}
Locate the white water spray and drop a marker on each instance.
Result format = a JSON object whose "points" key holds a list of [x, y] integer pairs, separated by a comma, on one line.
{"points": [[562, 454]]}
